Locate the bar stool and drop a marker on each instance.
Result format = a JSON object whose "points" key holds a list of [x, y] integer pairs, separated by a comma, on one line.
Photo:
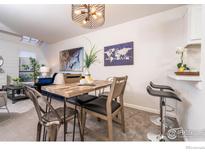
{"points": [[156, 119], [161, 87], [162, 95]]}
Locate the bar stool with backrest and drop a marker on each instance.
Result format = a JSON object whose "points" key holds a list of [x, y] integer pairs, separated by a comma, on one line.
{"points": [[106, 108], [162, 95], [156, 119], [53, 119]]}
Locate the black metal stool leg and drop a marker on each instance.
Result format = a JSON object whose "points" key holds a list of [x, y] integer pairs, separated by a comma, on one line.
{"points": [[80, 128], [74, 126]]}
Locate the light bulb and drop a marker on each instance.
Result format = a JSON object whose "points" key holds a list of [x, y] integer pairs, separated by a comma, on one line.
{"points": [[94, 16], [99, 14], [77, 12], [84, 21], [93, 9]]}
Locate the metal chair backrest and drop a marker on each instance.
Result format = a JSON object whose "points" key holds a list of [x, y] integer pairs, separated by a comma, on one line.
{"points": [[34, 95], [3, 98]]}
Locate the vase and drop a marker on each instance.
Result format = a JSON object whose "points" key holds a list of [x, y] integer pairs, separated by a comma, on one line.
{"points": [[86, 72], [88, 76]]}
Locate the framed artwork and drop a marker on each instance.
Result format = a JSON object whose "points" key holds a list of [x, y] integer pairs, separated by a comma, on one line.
{"points": [[119, 54], [71, 60]]}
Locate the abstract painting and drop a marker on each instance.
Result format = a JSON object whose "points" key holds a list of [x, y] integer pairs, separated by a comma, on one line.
{"points": [[119, 54], [71, 60]]}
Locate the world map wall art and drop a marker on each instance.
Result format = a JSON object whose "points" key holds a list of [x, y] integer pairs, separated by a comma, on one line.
{"points": [[119, 54]]}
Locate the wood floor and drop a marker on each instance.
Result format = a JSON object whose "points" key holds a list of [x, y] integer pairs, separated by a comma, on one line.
{"points": [[22, 126]]}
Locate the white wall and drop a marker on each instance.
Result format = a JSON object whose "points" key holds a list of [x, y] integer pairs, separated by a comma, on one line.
{"points": [[10, 48], [155, 40], [190, 112]]}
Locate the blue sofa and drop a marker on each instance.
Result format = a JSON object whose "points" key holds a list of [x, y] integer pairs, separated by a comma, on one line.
{"points": [[44, 82]]}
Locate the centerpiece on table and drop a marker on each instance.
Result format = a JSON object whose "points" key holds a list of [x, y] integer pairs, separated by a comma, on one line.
{"points": [[90, 59]]}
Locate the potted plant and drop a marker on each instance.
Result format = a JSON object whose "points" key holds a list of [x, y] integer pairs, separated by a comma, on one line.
{"points": [[17, 81], [90, 58], [33, 66], [181, 66]]}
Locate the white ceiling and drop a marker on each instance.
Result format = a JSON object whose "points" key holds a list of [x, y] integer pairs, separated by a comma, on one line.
{"points": [[52, 23]]}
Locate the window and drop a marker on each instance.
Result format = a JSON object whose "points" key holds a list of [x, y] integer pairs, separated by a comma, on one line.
{"points": [[30, 40], [25, 71]]}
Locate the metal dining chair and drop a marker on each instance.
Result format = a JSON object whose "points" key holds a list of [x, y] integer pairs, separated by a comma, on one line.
{"points": [[3, 101], [53, 119]]}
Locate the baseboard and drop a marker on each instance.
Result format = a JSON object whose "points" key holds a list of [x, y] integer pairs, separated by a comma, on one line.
{"points": [[148, 109], [184, 137]]}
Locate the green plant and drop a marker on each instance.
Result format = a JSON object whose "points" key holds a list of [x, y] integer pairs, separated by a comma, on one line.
{"points": [[182, 65], [17, 81], [26, 67], [34, 66], [91, 57], [180, 51]]}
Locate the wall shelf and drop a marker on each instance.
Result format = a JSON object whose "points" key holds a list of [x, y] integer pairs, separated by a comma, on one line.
{"points": [[193, 44], [185, 78]]}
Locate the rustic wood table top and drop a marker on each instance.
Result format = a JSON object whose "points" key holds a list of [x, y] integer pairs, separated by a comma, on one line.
{"points": [[75, 89]]}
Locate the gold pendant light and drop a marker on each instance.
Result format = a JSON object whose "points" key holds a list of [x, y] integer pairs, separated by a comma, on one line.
{"points": [[88, 15]]}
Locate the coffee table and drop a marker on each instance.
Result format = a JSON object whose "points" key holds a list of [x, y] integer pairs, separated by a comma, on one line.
{"points": [[15, 93]]}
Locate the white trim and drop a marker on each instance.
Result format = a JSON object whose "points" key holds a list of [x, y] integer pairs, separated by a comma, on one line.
{"points": [[148, 109], [184, 136]]}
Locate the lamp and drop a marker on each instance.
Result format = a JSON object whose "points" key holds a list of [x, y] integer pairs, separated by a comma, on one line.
{"points": [[88, 15], [59, 79], [44, 71]]}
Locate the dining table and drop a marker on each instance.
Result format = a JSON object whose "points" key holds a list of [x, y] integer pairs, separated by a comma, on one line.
{"points": [[74, 89]]}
